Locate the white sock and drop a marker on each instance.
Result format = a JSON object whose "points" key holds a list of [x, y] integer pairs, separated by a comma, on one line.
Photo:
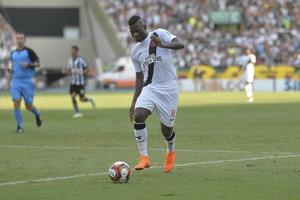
{"points": [[249, 90], [141, 137], [170, 142]]}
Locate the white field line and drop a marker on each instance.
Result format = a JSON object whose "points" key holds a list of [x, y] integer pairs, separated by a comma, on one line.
{"points": [[127, 148], [50, 179]]}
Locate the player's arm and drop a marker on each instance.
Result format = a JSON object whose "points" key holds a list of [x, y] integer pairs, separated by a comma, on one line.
{"points": [[10, 65], [241, 69], [65, 71], [35, 61], [85, 66], [35, 64], [166, 40], [252, 59], [175, 45], [9, 70], [139, 84]]}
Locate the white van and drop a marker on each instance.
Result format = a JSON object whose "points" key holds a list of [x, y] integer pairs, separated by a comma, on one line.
{"points": [[122, 75]]}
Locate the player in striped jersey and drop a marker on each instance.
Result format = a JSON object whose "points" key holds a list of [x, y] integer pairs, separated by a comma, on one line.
{"points": [[156, 87], [77, 68]]}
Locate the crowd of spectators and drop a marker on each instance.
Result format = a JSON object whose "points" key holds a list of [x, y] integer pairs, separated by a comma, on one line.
{"points": [[270, 27], [6, 44]]}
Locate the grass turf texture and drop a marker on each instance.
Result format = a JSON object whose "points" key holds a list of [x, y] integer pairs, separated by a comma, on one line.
{"points": [[210, 127]]}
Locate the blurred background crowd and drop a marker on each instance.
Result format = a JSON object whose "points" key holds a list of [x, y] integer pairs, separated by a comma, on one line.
{"points": [[270, 27], [215, 32], [6, 45]]}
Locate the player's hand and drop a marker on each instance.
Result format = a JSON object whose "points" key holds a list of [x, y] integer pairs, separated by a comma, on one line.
{"points": [[24, 64], [156, 41], [9, 69], [131, 113]]}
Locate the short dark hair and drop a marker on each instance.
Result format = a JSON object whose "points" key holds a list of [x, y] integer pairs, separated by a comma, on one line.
{"points": [[75, 47], [132, 20], [21, 33]]}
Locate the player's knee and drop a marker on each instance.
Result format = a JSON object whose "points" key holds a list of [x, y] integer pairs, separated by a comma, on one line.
{"points": [[73, 95], [29, 106], [166, 131], [139, 117], [74, 100], [17, 104]]}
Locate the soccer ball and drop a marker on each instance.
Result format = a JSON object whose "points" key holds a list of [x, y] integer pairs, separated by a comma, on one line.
{"points": [[119, 172]]}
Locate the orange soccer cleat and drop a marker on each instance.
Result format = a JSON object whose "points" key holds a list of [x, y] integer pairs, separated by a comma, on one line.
{"points": [[144, 162], [170, 161]]}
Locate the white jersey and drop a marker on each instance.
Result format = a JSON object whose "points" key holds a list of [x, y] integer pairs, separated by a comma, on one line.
{"points": [[248, 67], [248, 61], [156, 63]]}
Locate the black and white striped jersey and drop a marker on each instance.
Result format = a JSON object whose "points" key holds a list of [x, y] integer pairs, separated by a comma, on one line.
{"points": [[155, 63], [77, 68]]}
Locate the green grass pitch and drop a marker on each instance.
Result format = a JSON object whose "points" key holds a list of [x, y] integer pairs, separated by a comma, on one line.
{"points": [[226, 149]]}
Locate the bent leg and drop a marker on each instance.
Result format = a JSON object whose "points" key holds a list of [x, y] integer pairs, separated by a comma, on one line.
{"points": [[87, 99], [35, 111], [32, 109]]}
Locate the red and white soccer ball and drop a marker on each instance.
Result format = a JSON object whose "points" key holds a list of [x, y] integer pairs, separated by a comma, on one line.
{"points": [[119, 172]]}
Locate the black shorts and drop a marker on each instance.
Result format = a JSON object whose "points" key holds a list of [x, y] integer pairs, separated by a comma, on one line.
{"points": [[78, 89]]}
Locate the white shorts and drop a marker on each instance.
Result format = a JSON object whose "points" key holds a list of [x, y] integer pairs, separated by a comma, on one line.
{"points": [[248, 75], [163, 102]]}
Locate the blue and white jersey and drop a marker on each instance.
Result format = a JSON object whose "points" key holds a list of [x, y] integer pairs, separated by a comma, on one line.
{"points": [[77, 68]]}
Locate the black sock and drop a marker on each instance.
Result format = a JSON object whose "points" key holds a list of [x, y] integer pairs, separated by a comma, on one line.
{"points": [[170, 142]]}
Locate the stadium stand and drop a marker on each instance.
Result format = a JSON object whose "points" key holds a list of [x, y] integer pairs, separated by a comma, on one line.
{"points": [[6, 44], [270, 27]]}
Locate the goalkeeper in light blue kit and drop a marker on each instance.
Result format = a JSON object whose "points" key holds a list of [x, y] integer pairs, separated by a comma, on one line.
{"points": [[22, 67]]}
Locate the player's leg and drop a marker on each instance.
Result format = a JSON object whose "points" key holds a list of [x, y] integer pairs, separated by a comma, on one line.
{"points": [[143, 108], [166, 109], [249, 83], [140, 130], [16, 97], [75, 106], [249, 91], [73, 94], [28, 94], [30, 107], [84, 98], [169, 136], [141, 136], [18, 115]]}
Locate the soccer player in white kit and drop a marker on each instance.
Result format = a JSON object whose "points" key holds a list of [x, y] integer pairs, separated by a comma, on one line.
{"points": [[156, 87], [248, 76]]}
